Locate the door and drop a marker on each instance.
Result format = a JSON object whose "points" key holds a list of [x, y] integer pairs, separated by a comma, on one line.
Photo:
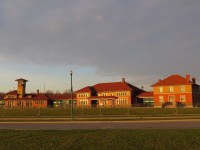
{"points": [[94, 103]]}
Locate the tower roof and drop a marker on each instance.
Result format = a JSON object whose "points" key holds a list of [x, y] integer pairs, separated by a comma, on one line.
{"points": [[21, 79]]}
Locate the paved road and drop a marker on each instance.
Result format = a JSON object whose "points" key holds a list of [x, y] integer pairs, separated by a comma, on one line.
{"points": [[163, 124]]}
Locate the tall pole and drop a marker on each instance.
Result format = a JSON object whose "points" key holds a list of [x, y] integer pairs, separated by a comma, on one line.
{"points": [[72, 100]]}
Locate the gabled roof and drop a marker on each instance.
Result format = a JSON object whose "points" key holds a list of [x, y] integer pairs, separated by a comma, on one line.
{"points": [[59, 96], [115, 86], [39, 96], [134, 88], [86, 89], [173, 80], [12, 92], [146, 95], [110, 86]]}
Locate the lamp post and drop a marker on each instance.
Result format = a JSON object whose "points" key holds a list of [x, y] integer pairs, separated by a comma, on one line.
{"points": [[72, 100]]}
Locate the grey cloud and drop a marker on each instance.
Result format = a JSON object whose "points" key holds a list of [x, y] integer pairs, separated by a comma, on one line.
{"points": [[134, 38]]}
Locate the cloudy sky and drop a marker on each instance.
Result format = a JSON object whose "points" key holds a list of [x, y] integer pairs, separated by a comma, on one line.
{"points": [[100, 40]]}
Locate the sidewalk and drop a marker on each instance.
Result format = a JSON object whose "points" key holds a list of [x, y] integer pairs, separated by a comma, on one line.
{"points": [[101, 118]]}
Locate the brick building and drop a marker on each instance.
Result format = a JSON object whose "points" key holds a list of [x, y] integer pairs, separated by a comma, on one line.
{"points": [[112, 94], [20, 99], [176, 91]]}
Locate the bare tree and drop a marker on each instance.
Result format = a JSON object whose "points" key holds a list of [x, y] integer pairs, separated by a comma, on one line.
{"points": [[67, 91], [49, 92]]}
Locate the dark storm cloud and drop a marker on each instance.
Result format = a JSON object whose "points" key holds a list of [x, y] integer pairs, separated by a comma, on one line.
{"points": [[129, 37]]}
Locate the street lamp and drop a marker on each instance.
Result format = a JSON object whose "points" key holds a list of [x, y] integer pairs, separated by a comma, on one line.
{"points": [[72, 100]]}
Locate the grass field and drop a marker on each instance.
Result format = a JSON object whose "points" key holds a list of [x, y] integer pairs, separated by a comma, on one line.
{"points": [[82, 112], [101, 140]]}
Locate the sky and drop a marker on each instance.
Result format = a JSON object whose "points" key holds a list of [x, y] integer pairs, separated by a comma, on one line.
{"points": [[100, 40]]}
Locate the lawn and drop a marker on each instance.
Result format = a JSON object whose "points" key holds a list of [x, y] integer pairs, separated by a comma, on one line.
{"points": [[83, 112], [100, 139]]}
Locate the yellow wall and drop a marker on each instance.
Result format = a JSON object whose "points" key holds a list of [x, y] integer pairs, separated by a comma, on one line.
{"points": [[121, 95]]}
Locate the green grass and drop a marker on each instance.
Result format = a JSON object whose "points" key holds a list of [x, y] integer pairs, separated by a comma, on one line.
{"points": [[82, 112], [100, 139]]}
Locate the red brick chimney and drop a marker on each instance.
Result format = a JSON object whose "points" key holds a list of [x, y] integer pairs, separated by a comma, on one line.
{"points": [[38, 92], [194, 80], [123, 80], [187, 77]]}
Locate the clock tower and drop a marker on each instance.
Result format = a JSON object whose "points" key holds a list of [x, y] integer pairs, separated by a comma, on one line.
{"points": [[21, 88]]}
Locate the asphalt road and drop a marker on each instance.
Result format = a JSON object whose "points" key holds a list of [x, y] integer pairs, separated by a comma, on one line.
{"points": [[76, 125]]}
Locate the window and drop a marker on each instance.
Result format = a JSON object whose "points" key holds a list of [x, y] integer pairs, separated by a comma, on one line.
{"points": [[171, 89], [122, 101], [10, 103], [104, 102], [121, 93], [171, 99], [182, 88], [104, 94], [161, 99], [18, 103], [83, 102], [10, 96], [160, 89], [182, 98]]}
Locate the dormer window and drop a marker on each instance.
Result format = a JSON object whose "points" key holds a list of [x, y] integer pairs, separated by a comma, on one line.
{"points": [[104, 94]]}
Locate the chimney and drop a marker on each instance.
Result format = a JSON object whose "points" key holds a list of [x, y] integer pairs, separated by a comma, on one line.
{"points": [[123, 80], [194, 80], [38, 92], [187, 77]]}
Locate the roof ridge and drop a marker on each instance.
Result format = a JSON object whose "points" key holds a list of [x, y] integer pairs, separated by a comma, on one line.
{"points": [[174, 79]]}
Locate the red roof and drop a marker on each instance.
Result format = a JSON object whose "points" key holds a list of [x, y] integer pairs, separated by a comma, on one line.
{"points": [[115, 86], [110, 86], [85, 89], [39, 97], [146, 95], [12, 92], [32, 97], [173, 80], [59, 96]]}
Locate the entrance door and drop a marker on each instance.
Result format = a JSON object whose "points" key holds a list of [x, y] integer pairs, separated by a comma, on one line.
{"points": [[94, 103]]}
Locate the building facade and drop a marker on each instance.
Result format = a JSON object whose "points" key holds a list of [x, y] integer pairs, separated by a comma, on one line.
{"points": [[176, 91], [112, 94], [20, 99], [61, 100], [147, 99]]}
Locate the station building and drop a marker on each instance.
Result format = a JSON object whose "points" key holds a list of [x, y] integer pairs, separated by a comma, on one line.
{"points": [[111, 94], [20, 99]]}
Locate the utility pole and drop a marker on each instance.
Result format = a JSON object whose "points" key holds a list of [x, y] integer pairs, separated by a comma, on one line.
{"points": [[72, 99]]}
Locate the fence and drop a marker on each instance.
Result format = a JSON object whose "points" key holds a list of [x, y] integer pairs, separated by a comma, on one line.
{"points": [[95, 112]]}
